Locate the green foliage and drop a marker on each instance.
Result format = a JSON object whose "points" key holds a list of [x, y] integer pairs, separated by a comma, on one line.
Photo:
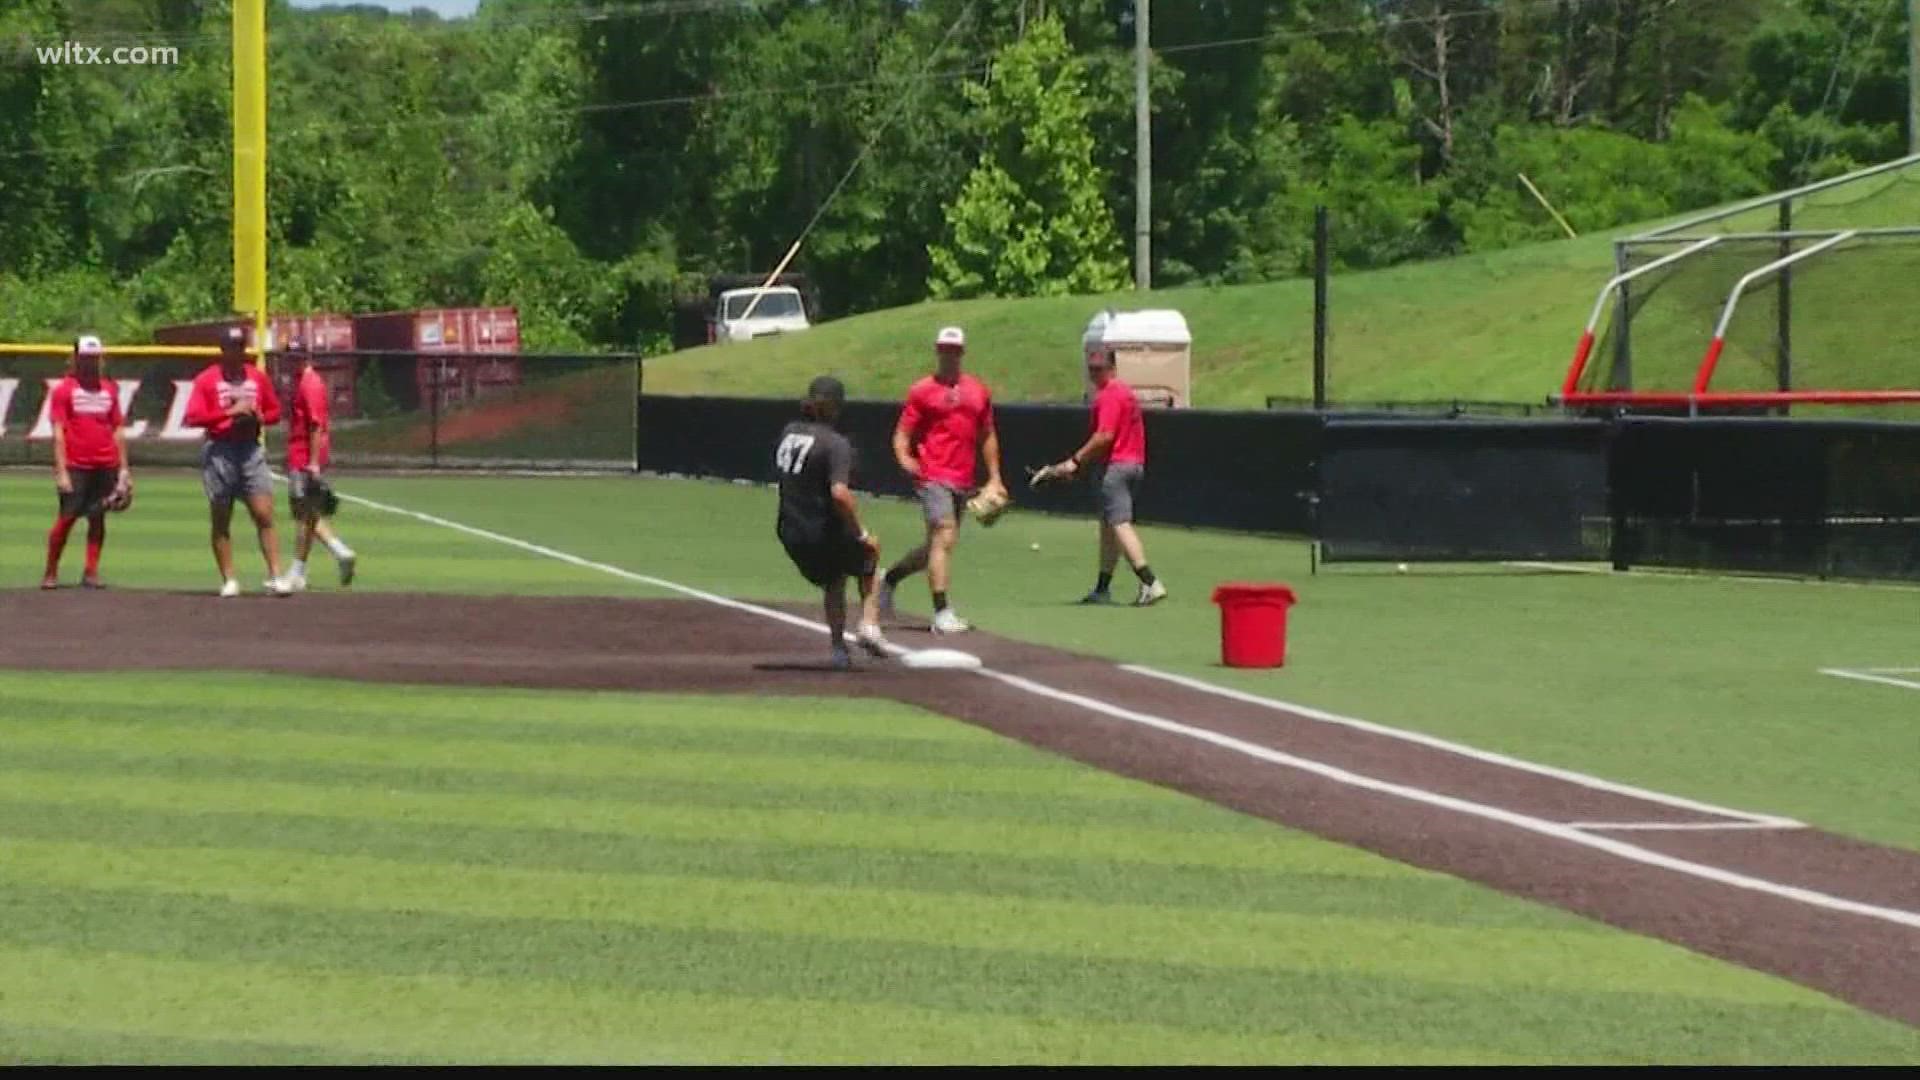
{"points": [[1031, 219], [1598, 178], [571, 157]]}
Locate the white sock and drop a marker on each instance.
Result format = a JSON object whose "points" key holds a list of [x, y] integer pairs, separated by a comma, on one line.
{"points": [[339, 548], [299, 568]]}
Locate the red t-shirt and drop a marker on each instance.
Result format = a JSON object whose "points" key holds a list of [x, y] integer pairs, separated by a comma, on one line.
{"points": [[90, 414], [213, 395], [1116, 409], [306, 414], [944, 425]]}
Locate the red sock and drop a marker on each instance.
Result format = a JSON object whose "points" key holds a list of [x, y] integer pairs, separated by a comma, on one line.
{"points": [[96, 539], [57, 542]]}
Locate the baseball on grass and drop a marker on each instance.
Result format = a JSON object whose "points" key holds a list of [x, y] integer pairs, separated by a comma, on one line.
{"points": [[1402, 568], [1035, 546]]}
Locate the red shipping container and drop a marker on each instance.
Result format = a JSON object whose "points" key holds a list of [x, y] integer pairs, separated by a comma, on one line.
{"points": [[446, 330], [493, 329]]}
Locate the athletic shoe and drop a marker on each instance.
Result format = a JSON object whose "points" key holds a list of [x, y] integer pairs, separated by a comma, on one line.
{"points": [[50, 582], [347, 562], [92, 581], [279, 587], [886, 601], [1097, 596], [946, 622], [297, 582], [872, 640], [230, 589], [1151, 594], [842, 660]]}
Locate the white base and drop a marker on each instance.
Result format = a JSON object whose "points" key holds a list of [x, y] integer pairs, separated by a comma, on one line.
{"points": [[940, 658]]}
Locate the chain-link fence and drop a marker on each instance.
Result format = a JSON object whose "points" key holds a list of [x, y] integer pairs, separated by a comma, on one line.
{"points": [[440, 410]]}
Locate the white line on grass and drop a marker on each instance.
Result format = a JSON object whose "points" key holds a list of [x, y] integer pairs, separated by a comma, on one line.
{"points": [[1527, 823], [1871, 676], [1571, 777], [1723, 576]]}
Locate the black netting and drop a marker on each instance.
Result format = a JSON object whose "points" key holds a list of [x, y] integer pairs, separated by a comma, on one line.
{"points": [[1846, 318]]}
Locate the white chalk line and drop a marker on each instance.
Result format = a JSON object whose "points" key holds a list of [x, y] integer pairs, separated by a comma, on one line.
{"points": [[1872, 675], [1555, 830], [1678, 826], [1517, 764]]}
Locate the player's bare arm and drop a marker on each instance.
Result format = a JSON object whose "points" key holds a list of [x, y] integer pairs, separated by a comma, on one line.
{"points": [[990, 450], [126, 462], [61, 478], [849, 508], [903, 452], [322, 447], [1093, 449]]}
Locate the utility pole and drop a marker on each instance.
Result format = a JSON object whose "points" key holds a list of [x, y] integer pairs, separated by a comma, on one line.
{"points": [[1913, 76], [1143, 154]]}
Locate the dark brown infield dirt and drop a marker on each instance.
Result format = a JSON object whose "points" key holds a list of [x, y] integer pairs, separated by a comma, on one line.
{"points": [[673, 645]]}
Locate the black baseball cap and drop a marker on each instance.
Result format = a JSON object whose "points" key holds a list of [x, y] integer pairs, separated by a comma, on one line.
{"points": [[827, 388], [233, 339]]}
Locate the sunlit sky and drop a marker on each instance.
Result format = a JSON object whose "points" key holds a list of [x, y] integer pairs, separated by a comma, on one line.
{"points": [[444, 7]]}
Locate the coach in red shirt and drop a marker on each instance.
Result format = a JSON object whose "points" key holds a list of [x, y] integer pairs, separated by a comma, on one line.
{"points": [[945, 427], [234, 400], [89, 457], [1119, 439]]}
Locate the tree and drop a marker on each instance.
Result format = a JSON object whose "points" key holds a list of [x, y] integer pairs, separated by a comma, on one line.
{"points": [[1031, 219]]}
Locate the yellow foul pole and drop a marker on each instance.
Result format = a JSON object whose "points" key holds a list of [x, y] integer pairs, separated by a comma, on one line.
{"points": [[250, 164]]}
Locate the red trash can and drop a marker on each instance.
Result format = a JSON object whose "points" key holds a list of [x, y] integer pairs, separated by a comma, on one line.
{"points": [[1253, 624]]}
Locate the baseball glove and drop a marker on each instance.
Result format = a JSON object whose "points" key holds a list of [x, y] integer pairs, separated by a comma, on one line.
{"points": [[1045, 474], [321, 495], [121, 498], [988, 506]]}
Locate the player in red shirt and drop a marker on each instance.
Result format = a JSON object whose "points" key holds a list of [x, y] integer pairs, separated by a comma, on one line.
{"points": [[945, 427], [234, 400], [89, 457], [309, 451], [1119, 439]]}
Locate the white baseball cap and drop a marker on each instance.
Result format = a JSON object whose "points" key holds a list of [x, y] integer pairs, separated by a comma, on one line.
{"points": [[87, 345], [951, 335]]}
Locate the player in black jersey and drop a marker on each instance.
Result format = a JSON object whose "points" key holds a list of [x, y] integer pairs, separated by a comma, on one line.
{"points": [[819, 521]]}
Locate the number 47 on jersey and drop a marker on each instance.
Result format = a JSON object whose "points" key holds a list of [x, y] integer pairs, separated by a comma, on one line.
{"points": [[791, 457]]}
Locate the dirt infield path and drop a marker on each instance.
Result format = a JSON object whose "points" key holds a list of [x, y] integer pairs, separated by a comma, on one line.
{"points": [[1832, 913]]}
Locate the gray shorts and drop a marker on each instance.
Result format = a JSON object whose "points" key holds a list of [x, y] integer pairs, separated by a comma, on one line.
{"points": [[941, 503], [232, 471], [1118, 486]]}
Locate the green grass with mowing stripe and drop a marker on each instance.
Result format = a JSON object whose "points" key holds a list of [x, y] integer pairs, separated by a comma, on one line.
{"points": [[1644, 679], [162, 899]]}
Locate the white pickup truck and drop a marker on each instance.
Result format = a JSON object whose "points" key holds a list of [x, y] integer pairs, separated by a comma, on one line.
{"points": [[779, 311]]}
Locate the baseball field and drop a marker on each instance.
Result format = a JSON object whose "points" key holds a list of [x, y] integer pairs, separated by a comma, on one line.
{"points": [[561, 780]]}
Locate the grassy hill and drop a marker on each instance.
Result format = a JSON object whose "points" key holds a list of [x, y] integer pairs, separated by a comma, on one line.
{"points": [[1497, 326]]}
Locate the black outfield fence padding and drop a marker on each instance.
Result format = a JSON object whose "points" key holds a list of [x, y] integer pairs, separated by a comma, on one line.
{"points": [[1818, 498], [1249, 471], [1463, 491], [1802, 497]]}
